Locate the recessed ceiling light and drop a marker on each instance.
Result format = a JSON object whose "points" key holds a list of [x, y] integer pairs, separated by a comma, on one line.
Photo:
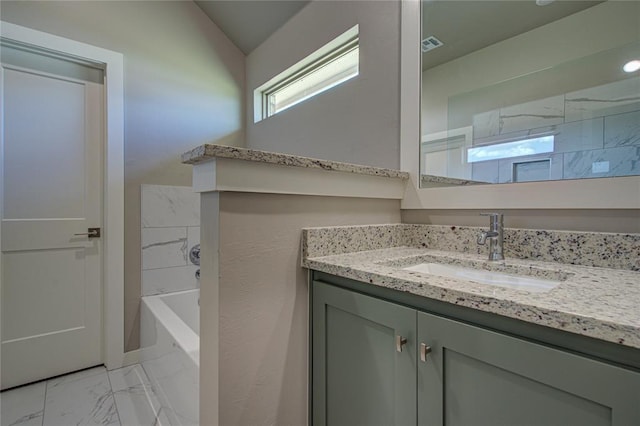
{"points": [[632, 66], [544, 2]]}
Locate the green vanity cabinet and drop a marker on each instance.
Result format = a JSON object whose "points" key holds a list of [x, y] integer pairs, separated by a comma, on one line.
{"points": [[364, 372], [473, 376], [449, 372]]}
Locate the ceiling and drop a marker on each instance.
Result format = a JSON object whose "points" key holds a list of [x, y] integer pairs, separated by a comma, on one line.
{"points": [[464, 26], [467, 26], [248, 23]]}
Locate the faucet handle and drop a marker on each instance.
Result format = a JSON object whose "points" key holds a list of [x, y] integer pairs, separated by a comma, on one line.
{"points": [[482, 238]]}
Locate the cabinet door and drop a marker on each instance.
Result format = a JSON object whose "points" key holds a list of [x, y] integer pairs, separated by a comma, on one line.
{"points": [[359, 375], [473, 376]]}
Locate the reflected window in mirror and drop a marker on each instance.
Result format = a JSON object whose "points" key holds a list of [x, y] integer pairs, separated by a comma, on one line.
{"points": [[517, 92]]}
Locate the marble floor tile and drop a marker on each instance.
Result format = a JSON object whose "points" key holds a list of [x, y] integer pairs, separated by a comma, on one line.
{"points": [[175, 382], [83, 398], [178, 419], [23, 406], [72, 377], [135, 398], [122, 397]]}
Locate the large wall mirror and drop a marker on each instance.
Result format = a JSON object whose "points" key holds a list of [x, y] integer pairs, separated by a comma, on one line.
{"points": [[529, 90]]}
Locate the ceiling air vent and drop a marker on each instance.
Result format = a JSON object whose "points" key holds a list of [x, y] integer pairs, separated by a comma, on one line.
{"points": [[430, 43]]}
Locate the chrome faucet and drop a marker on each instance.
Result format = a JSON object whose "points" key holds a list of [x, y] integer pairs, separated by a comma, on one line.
{"points": [[495, 236]]}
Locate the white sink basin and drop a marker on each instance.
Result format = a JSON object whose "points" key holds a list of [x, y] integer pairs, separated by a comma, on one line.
{"points": [[499, 279]]}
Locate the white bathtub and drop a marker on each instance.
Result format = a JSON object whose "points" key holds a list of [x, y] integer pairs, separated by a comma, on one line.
{"points": [[170, 352]]}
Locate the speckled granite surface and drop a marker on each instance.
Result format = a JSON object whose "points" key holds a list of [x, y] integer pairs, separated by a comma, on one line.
{"points": [[208, 152], [427, 181], [327, 241], [592, 301], [606, 250]]}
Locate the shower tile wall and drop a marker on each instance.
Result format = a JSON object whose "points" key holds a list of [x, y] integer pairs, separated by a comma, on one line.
{"points": [[600, 101], [597, 133], [170, 218], [540, 113], [622, 130]]}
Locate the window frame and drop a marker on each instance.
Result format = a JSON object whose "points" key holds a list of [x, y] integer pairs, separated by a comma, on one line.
{"points": [[330, 52]]}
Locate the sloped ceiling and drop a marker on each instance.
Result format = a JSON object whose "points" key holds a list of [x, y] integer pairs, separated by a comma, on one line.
{"points": [[465, 26], [248, 23]]}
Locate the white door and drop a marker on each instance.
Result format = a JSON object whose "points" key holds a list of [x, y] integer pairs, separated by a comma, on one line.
{"points": [[51, 301]]}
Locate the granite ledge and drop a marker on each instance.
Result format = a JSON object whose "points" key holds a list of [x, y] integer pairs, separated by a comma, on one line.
{"points": [[432, 181], [569, 307], [208, 152]]}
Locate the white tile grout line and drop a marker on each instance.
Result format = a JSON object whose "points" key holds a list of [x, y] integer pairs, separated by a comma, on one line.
{"points": [[44, 401], [156, 392], [148, 392], [113, 396]]}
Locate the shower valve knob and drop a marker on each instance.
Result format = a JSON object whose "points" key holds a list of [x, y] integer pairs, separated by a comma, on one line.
{"points": [[194, 255]]}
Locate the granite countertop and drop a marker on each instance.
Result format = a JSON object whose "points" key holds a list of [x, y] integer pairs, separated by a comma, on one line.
{"points": [[597, 302], [431, 180], [208, 152]]}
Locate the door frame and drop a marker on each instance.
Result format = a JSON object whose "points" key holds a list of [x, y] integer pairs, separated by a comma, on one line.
{"points": [[113, 354]]}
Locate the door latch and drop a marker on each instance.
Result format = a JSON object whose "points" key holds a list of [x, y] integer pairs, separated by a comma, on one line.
{"points": [[91, 233]]}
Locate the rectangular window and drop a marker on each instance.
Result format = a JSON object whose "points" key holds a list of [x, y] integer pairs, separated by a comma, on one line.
{"points": [[511, 149], [532, 171], [329, 66]]}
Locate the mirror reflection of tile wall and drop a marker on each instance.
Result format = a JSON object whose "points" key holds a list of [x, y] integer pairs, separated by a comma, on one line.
{"points": [[596, 134], [549, 103]]}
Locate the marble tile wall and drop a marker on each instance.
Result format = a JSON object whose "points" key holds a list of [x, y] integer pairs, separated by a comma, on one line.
{"points": [[579, 135], [600, 101], [170, 218], [622, 130], [591, 128], [529, 115], [486, 124], [608, 162]]}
